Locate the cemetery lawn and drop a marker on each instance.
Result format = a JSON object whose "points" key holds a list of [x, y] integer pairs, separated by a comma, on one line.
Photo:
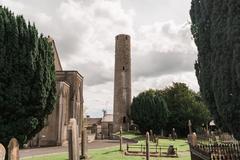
{"points": [[113, 153], [131, 135]]}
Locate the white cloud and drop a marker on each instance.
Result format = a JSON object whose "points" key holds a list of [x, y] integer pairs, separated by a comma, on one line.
{"points": [[84, 31], [99, 97], [163, 81], [88, 31], [163, 48], [43, 18], [13, 5]]}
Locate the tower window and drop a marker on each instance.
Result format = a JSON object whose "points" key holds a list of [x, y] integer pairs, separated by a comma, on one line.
{"points": [[123, 68], [124, 119]]}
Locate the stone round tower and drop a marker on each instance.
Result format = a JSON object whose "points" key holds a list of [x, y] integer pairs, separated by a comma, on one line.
{"points": [[122, 82]]}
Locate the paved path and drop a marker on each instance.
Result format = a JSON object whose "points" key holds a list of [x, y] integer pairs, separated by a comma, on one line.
{"points": [[50, 150]]}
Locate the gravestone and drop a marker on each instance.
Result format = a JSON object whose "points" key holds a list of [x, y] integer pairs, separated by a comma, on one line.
{"points": [[157, 141], [170, 136], [161, 132], [84, 144], [128, 127], [190, 127], [147, 147], [135, 128], [171, 150], [194, 139], [2, 152], [207, 130], [226, 137], [13, 149], [120, 138], [174, 134], [189, 136], [73, 147], [154, 138], [151, 135]]}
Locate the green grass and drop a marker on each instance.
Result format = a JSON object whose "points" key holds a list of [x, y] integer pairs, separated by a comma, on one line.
{"points": [[113, 153], [59, 156], [180, 144], [132, 135]]}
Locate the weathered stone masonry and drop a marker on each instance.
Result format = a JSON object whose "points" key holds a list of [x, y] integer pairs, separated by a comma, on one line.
{"points": [[122, 82]]}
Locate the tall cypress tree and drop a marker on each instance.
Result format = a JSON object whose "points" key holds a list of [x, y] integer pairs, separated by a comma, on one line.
{"points": [[27, 78], [215, 29]]}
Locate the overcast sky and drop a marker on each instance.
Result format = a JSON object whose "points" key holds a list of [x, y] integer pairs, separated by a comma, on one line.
{"points": [[84, 31]]}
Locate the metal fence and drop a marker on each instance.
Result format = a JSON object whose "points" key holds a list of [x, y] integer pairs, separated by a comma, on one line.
{"points": [[215, 152], [155, 150]]}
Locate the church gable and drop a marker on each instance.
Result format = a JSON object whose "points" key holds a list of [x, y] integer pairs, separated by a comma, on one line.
{"points": [[57, 63]]}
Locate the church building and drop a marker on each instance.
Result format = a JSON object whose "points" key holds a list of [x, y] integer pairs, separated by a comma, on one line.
{"points": [[69, 105]]}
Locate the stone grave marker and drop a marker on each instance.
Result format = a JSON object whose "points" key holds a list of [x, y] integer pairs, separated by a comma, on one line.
{"points": [[162, 133], [157, 141], [194, 139], [13, 149], [121, 138], [2, 152], [147, 147], [171, 150], [154, 138], [189, 136], [174, 134], [84, 144], [151, 135], [73, 146], [190, 127]]}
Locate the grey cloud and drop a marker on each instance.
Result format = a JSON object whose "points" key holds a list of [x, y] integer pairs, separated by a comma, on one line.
{"points": [[68, 46], [102, 13], [158, 63], [168, 50], [84, 33], [94, 73]]}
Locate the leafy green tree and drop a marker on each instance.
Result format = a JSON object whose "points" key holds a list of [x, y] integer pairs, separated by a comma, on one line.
{"points": [[183, 105], [149, 111], [215, 29], [27, 78]]}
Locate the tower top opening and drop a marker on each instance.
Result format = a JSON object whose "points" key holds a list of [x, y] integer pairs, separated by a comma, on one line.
{"points": [[122, 36]]}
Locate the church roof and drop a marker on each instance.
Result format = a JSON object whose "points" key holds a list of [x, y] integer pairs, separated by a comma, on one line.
{"points": [[92, 121], [69, 72]]}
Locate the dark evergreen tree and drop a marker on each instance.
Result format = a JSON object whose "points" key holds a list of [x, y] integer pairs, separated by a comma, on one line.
{"points": [[149, 111], [216, 31], [183, 105], [27, 78]]}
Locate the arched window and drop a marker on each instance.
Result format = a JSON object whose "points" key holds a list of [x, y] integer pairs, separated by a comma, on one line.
{"points": [[124, 119]]}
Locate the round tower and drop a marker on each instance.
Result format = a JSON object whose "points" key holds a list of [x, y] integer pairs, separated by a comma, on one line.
{"points": [[122, 82]]}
